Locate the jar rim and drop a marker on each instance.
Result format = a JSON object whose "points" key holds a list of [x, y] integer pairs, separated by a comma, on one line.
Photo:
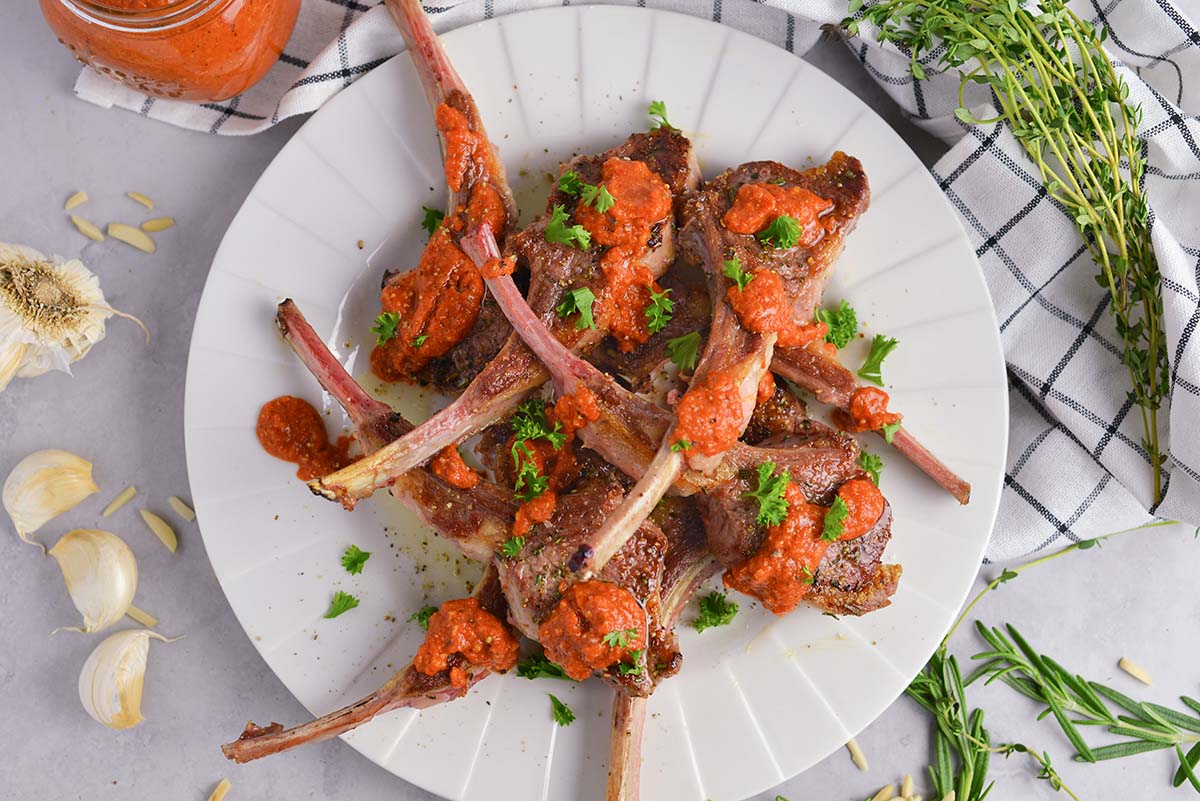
{"points": [[123, 18]]}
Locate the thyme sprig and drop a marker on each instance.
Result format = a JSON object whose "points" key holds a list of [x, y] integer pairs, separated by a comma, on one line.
{"points": [[1057, 90]]}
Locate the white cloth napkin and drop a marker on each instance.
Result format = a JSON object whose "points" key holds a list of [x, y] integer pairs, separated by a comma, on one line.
{"points": [[1076, 467]]}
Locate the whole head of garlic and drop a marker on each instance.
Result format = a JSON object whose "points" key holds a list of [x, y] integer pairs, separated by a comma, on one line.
{"points": [[101, 575], [42, 486], [110, 684], [51, 314]]}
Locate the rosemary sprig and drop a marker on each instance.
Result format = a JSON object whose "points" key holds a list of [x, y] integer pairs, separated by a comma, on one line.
{"points": [[1058, 92]]}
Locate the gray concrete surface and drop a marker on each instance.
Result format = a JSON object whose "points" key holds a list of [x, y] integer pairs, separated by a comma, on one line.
{"points": [[124, 408]]}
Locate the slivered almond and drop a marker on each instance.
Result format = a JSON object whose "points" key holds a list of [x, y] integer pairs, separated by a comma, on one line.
{"points": [[906, 786], [220, 790], [77, 199], [886, 793], [142, 616], [140, 198], [1136, 671], [158, 224], [161, 529], [134, 237], [87, 228], [181, 509], [857, 754], [125, 496]]}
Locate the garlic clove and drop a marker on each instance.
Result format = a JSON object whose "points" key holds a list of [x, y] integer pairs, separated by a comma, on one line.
{"points": [[110, 684], [101, 575], [42, 486], [11, 359]]}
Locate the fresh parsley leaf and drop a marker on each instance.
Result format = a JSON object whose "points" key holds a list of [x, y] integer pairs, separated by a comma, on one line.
{"points": [[684, 351], [889, 431], [563, 715], [681, 445], [512, 546], [734, 272], [835, 520], [872, 464], [597, 196], [354, 558], [842, 322], [569, 183], [715, 610], [530, 423], [558, 232], [658, 113], [579, 301], [636, 668], [530, 482], [772, 505], [658, 311], [422, 615], [419, 341], [807, 576], [538, 666], [431, 219], [783, 232], [385, 327], [619, 638], [342, 602], [881, 346]]}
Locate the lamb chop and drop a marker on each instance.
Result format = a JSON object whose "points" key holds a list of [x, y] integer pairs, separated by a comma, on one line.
{"points": [[556, 268]]}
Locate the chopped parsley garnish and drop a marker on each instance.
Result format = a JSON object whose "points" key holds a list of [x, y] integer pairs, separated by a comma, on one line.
{"points": [[563, 715], [681, 445], [512, 546], [835, 520], [342, 602], [636, 668], [570, 183], [579, 301], [734, 272], [658, 113], [530, 423], [807, 576], [422, 615], [772, 505], [538, 666], [558, 232], [684, 351], [597, 197], [431, 219], [658, 311], [889, 431], [715, 610], [385, 327], [784, 232], [354, 558], [530, 482], [842, 322], [620, 638], [872, 464], [881, 346], [419, 341]]}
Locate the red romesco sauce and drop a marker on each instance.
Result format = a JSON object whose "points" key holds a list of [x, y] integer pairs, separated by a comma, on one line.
{"points": [[758, 205], [764, 308], [865, 504], [449, 466], [867, 411], [573, 634], [766, 387], [463, 145], [709, 416], [464, 627], [220, 53], [498, 267], [289, 428]]}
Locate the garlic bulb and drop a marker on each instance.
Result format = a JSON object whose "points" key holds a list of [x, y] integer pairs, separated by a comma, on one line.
{"points": [[42, 486], [110, 684], [101, 575], [50, 314]]}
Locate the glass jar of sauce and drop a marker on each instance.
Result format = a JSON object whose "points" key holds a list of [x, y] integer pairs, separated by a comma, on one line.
{"points": [[197, 50]]}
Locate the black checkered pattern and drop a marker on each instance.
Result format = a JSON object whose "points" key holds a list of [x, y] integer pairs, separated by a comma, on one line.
{"points": [[1076, 467]]}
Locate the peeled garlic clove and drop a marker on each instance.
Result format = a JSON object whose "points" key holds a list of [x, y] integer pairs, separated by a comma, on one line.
{"points": [[42, 486], [101, 575], [110, 684]]}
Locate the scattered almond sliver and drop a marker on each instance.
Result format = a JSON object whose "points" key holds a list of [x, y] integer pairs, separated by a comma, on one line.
{"points": [[116, 503], [158, 224], [77, 199], [906, 786], [886, 793], [220, 790], [141, 616], [856, 753], [134, 237], [87, 229], [1136, 671], [140, 198], [161, 529], [182, 509]]}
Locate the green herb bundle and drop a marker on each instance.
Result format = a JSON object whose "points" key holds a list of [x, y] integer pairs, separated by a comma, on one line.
{"points": [[1063, 101]]}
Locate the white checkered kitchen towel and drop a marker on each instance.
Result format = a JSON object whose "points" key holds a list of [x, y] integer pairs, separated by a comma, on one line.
{"points": [[1075, 464]]}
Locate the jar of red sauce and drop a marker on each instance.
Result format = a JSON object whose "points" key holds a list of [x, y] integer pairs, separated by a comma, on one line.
{"points": [[198, 50]]}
